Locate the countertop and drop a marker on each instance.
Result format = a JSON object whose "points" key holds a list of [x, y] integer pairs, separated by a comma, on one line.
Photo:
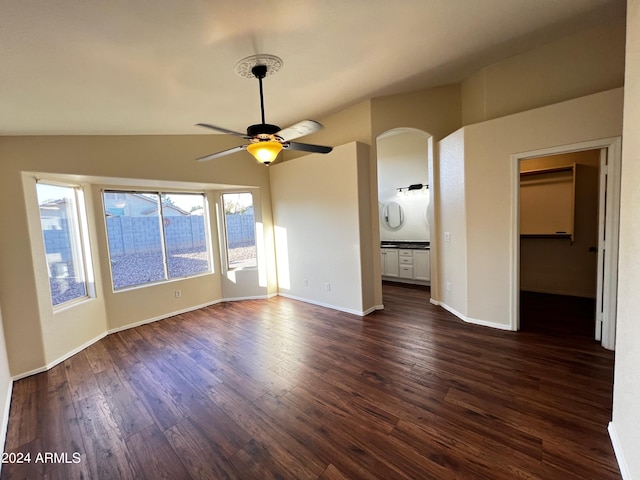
{"points": [[407, 245]]}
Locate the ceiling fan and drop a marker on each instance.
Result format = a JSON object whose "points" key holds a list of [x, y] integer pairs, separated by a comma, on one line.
{"points": [[266, 140]]}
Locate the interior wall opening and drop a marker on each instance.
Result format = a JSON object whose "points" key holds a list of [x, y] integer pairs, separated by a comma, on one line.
{"points": [[405, 212], [568, 269], [559, 206]]}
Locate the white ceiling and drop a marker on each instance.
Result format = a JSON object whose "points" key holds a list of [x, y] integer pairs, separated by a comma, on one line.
{"points": [[160, 66]]}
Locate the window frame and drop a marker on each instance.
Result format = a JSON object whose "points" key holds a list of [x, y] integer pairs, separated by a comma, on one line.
{"points": [[224, 235], [81, 244], [163, 241]]}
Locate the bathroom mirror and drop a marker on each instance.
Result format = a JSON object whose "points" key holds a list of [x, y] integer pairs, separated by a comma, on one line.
{"points": [[393, 215]]}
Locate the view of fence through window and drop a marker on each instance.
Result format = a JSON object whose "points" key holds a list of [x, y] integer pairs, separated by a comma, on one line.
{"points": [[139, 252], [61, 229], [240, 230]]}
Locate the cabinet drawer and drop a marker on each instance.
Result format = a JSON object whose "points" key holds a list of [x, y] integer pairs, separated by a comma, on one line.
{"points": [[406, 271], [406, 253], [406, 260]]}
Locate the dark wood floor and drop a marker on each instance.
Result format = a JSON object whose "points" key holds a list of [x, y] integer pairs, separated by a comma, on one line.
{"points": [[282, 389]]}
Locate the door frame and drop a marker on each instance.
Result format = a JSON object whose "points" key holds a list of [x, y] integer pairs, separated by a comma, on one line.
{"points": [[613, 148]]}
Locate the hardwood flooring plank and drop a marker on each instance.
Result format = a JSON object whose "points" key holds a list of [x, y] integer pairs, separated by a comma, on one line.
{"points": [[332, 473], [22, 427], [127, 409], [98, 357], [25, 470], [70, 471], [255, 461], [328, 443], [106, 452], [199, 457], [154, 457], [155, 396], [263, 429]]}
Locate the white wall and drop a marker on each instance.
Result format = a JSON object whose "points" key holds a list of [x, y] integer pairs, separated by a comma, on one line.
{"points": [[317, 211], [625, 427], [6, 384], [452, 254]]}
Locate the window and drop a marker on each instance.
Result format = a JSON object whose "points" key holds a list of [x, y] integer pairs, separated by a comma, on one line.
{"points": [[239, 230], [64, 228], [155, 236]]}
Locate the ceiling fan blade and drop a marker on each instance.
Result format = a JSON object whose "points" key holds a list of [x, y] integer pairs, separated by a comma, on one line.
{"points": [[222, 130], [206, 158], [300, 129], [307, 147]]}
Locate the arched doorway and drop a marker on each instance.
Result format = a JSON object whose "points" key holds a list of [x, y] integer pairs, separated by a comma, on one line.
{"points": [[405, 206]]}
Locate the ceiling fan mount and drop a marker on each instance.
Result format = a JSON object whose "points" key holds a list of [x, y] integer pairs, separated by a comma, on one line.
{"points": [[266, 140]]}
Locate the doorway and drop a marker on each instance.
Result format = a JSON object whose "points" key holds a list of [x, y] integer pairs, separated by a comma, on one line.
{"points": [[405, 196], [558, 242], [577, 260]]}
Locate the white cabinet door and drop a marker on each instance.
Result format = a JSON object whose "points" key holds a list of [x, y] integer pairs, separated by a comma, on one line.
{"points": [[389, 262], [421, 265], [406, 271]]}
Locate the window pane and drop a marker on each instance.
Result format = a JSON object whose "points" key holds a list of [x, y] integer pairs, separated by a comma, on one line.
{"points": [[61, 231], [135, 243], [184, 234], [240, 230]]}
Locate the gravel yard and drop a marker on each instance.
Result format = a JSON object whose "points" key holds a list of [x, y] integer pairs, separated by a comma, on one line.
{"points": [[138, 269], [130, 270]]}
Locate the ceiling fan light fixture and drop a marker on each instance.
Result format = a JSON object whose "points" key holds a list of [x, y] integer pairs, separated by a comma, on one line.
{"points": [[265, 152]]}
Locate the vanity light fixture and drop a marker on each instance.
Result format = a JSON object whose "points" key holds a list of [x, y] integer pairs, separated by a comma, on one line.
{"points": [[414, 188]]}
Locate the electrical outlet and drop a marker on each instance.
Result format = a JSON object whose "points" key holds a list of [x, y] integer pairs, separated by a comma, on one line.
{"points": [[178, 293], [448, 286], [305, 282], [327, 287], [447, 236]]}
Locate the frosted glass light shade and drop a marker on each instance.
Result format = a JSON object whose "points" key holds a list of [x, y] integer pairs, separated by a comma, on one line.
{"points": [[265, 152]]}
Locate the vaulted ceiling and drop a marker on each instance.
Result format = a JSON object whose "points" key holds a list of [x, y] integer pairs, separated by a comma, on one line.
{"points": [[159, 67]]}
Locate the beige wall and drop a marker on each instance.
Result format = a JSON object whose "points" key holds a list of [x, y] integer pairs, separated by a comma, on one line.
{"points": [[574, 66], [63, 330], [625, 426], [558, 265], [489, 180], [36, 336], [317, 218]]}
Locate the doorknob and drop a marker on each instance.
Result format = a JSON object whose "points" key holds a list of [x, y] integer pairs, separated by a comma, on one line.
{"points": [[593, 249]]}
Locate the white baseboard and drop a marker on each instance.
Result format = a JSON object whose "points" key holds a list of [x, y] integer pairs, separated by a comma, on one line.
{"points": [[254, 297], [161, 317], [617, 449], [360, 313], [474, 321], [61, 359]]}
